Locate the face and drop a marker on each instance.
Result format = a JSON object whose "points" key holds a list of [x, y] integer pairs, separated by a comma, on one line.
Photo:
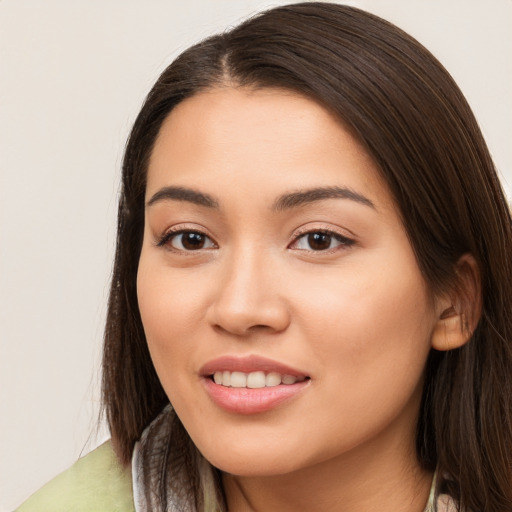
{"points": [[283, 307]]}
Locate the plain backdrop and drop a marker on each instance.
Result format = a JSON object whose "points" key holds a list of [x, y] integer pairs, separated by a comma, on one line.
{"points": [[73, 74]]}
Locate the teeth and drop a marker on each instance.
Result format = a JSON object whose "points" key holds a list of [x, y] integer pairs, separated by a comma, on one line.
{"points": [[237, 380], [272, 379], [253, 380], [256, 380], [288, 379]]}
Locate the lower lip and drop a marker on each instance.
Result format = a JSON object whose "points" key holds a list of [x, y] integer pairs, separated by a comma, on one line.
{"points": [[252, 401]]}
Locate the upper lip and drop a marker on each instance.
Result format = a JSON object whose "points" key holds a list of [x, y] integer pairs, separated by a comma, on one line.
{"points": [[248, 364]]}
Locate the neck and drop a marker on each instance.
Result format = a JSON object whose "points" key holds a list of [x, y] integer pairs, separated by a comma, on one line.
{"points": [[368, 479]]}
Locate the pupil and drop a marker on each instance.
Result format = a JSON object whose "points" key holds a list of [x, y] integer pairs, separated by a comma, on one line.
{"points": [[193, 241], [319, 241]]}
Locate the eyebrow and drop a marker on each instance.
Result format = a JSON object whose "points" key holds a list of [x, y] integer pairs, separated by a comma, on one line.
{"points": [[183, 194], [303, 197], [284, 202]]}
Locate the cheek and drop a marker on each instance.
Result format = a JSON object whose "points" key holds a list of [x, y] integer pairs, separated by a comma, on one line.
{"points": [[378, 297], [170, 300], [370, 335], [170, 308], [370, 326]]}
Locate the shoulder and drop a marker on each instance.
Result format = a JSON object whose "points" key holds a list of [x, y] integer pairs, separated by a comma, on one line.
{"points": [[95, 482]]}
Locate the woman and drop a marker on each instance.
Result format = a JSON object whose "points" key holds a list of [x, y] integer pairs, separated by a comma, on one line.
{"points": [[313, 268]]}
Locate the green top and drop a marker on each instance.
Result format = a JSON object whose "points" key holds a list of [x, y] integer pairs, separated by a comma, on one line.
{"points": [[95, 483]]}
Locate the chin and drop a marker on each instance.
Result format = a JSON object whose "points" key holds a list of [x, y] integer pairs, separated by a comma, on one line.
{"points": [[261, 458], [260, 467]]}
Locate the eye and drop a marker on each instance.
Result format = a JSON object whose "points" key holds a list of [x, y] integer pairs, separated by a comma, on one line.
{"points": [[320, 241], [184, 240]]}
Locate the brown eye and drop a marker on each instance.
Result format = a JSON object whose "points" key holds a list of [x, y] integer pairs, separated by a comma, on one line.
{"points": [[192, 241], [189, 241], [321, 241]]}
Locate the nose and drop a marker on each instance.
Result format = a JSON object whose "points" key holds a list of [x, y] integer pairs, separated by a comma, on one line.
{"points": [[249, 297]]}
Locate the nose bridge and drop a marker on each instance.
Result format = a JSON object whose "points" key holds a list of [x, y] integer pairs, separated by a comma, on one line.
{"points": [[248, 294]]}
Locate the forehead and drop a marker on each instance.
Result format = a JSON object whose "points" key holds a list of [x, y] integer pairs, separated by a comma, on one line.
{"points": [[253, 139]]}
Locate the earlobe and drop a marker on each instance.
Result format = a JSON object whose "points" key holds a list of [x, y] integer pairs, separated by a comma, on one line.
{"points": [[459, 311]]}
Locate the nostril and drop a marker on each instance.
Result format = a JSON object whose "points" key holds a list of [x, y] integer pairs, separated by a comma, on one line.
{"points": [[259, 327]]}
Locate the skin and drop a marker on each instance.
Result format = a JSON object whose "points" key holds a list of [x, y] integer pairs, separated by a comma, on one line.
{"points": [[357, 318]]}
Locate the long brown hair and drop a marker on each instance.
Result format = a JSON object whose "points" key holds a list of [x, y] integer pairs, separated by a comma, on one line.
{"points": [[414, 121]]}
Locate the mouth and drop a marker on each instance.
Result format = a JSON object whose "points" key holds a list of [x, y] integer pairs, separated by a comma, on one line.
{"points": [[254, 380], [251, 384]]}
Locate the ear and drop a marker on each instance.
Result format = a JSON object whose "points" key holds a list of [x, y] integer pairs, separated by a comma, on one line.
{"points": [[460, 309]]}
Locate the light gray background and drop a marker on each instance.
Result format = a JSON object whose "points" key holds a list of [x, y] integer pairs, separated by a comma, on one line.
{"points": [[73, 74]]}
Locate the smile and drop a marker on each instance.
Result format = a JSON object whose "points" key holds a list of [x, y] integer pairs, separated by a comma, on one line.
{"points": [[253, 384], [253, 380]]}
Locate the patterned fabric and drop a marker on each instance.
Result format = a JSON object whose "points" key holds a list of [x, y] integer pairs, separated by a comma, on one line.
{"points": [[158, 488]]}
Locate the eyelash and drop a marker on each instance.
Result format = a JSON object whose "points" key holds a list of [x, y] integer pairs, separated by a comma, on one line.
{"points": [[168, 237], [344, 242]]}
